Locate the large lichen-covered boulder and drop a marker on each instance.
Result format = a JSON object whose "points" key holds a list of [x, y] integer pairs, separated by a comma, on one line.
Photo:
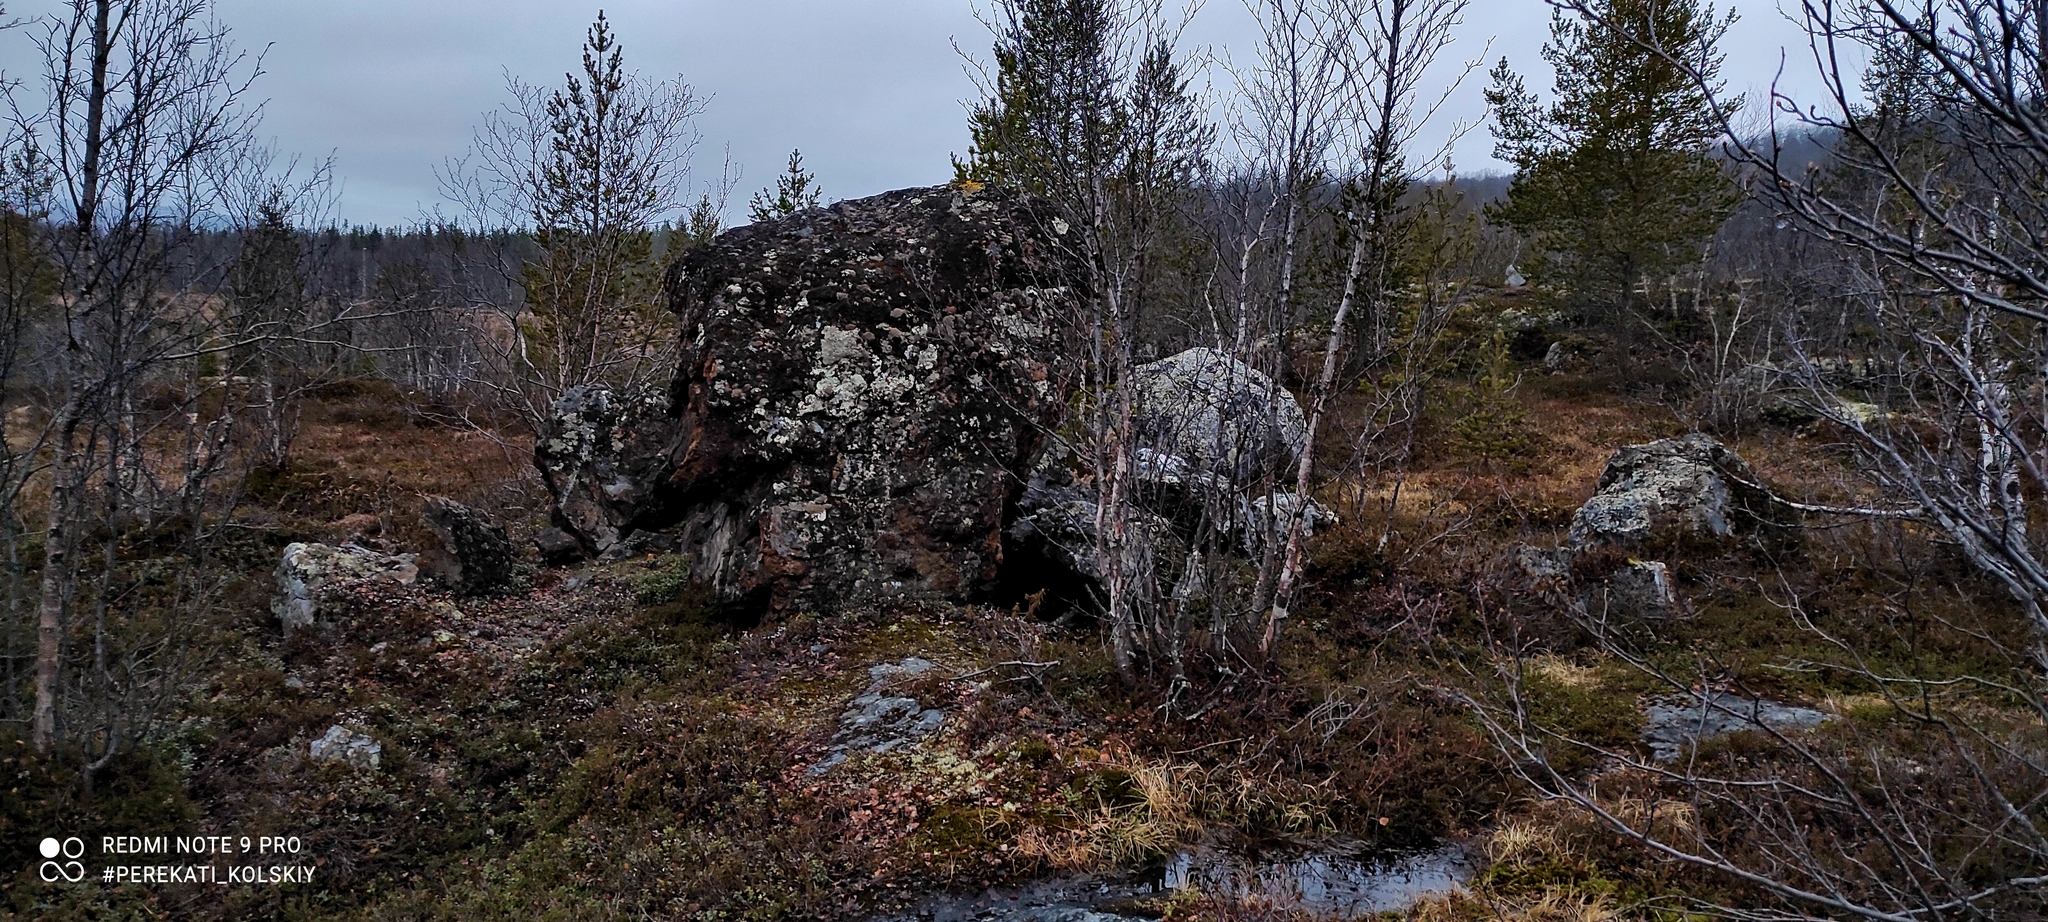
{"points": [[862, 389], [1221, 415], [1687, 487]]}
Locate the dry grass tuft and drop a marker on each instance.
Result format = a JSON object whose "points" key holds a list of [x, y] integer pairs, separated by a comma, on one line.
{"points": [[1120, 810]]}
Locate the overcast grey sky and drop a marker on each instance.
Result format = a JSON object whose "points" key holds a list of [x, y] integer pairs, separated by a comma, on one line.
{"points": [[871, 90]]}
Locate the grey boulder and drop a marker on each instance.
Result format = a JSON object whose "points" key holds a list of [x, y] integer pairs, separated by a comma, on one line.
{"points": [[477, 557], [1223, 416], [1691, 486], [348, 747], [306, 570]]}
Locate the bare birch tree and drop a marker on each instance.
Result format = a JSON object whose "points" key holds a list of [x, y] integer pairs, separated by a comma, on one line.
{"points": [[145, 114], [1091, 109], [1390, 45]]}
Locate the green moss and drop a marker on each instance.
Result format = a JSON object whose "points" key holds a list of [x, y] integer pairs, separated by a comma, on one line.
{"points": [[1549, 873], [1032, 750], [1601, 713], [955, 831], [669, 577]]}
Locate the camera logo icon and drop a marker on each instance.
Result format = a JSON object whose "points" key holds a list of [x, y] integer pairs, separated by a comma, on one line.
{"points": [[70, 870]]}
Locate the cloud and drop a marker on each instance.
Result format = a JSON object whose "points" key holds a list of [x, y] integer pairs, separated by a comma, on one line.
{"points": [[871, 90]]}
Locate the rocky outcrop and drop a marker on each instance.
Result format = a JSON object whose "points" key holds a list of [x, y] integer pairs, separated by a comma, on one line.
{"points": [[862, 390], [603, 457], [308, 570], [1691, 487], [477, 559]]}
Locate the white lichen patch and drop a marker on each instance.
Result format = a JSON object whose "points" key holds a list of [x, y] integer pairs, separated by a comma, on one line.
{"points": [[838, 346]]}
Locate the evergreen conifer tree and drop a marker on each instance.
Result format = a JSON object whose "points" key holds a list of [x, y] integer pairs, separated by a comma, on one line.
{"points": [[1056, 113], [1614, 185], [795, 190], [591, 287]]}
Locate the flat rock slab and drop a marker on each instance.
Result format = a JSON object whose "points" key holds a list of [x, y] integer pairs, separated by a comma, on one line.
{"points": [[876, 721], [1673, 722]]}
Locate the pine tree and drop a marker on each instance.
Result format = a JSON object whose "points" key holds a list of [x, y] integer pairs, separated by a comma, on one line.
{"points": [[1091, 111], [1905, 87], [795, 190], [267, 289], [591, 286], [1614, 185], [1056, 114], [702, 224]]}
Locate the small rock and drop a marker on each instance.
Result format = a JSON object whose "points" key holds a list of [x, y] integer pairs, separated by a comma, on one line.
{"points": [[558, 547], [1274, 514], [305, 570], [1643, 588], [1674, 721], [348, 747]]}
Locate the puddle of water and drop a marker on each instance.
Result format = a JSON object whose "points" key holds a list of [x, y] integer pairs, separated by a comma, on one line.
{"points": [[1332, 882], [1325, 883]]}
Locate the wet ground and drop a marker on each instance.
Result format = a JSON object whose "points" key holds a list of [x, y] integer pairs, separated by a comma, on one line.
{"points": [[1333, 880]]}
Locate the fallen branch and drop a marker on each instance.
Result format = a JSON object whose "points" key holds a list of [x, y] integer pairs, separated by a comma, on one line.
{"points": [[1021, 664]]}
